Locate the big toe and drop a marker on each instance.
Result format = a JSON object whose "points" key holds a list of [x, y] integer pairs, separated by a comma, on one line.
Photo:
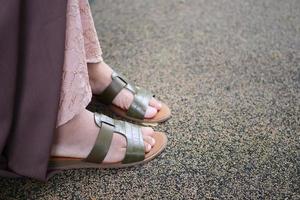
{"points": [[149, 141], [150, 112], [147, 131], [155, 103]]}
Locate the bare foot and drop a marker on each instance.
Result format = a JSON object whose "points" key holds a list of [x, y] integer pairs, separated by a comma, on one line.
{"points": [[77, 137], [100, 78]]}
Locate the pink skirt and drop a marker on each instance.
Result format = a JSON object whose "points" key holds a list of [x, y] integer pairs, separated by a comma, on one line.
{"points": [[81, 47]]}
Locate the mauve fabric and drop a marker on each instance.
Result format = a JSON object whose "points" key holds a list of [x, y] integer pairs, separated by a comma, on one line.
{"points": [[32, 39]]}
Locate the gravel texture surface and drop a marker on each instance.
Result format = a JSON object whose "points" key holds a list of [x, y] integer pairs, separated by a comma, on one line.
{"points": [[230, 71]]}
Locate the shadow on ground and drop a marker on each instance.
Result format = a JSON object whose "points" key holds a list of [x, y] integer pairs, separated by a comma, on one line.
{"points": [[230, 70]]}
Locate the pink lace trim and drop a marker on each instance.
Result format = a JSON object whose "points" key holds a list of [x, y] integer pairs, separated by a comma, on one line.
{"points": [[81, 47]]}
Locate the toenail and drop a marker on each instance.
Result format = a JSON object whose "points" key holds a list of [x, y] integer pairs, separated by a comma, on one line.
{"points": [[153, 141]]}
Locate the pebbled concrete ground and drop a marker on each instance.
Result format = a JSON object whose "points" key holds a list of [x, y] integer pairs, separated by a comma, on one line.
{"points": [[230, 71]]}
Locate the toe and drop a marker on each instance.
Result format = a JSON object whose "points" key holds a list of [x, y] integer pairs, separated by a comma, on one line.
{"points": [[147, 131], [149, 140], [150, 112], [155, 103], [147, 147]]}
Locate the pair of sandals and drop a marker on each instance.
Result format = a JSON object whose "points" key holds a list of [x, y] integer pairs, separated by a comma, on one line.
{"points": [[135, 153]]}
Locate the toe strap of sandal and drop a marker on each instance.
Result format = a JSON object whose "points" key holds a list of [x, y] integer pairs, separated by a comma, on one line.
{"points": [[141, 99], [135, 144], [139, 104]]}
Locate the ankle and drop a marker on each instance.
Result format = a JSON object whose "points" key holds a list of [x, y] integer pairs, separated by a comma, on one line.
{"points": [[99, 76], [76, 137]]}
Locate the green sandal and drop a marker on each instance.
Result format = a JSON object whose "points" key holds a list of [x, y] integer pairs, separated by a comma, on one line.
{"points": [[137, 109], [135, 153]]}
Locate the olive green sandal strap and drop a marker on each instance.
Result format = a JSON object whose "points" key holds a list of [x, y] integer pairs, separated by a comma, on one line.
{"points": [[102, 143], [135, 144], [139, 104], [141, 99], [116, 85]]}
